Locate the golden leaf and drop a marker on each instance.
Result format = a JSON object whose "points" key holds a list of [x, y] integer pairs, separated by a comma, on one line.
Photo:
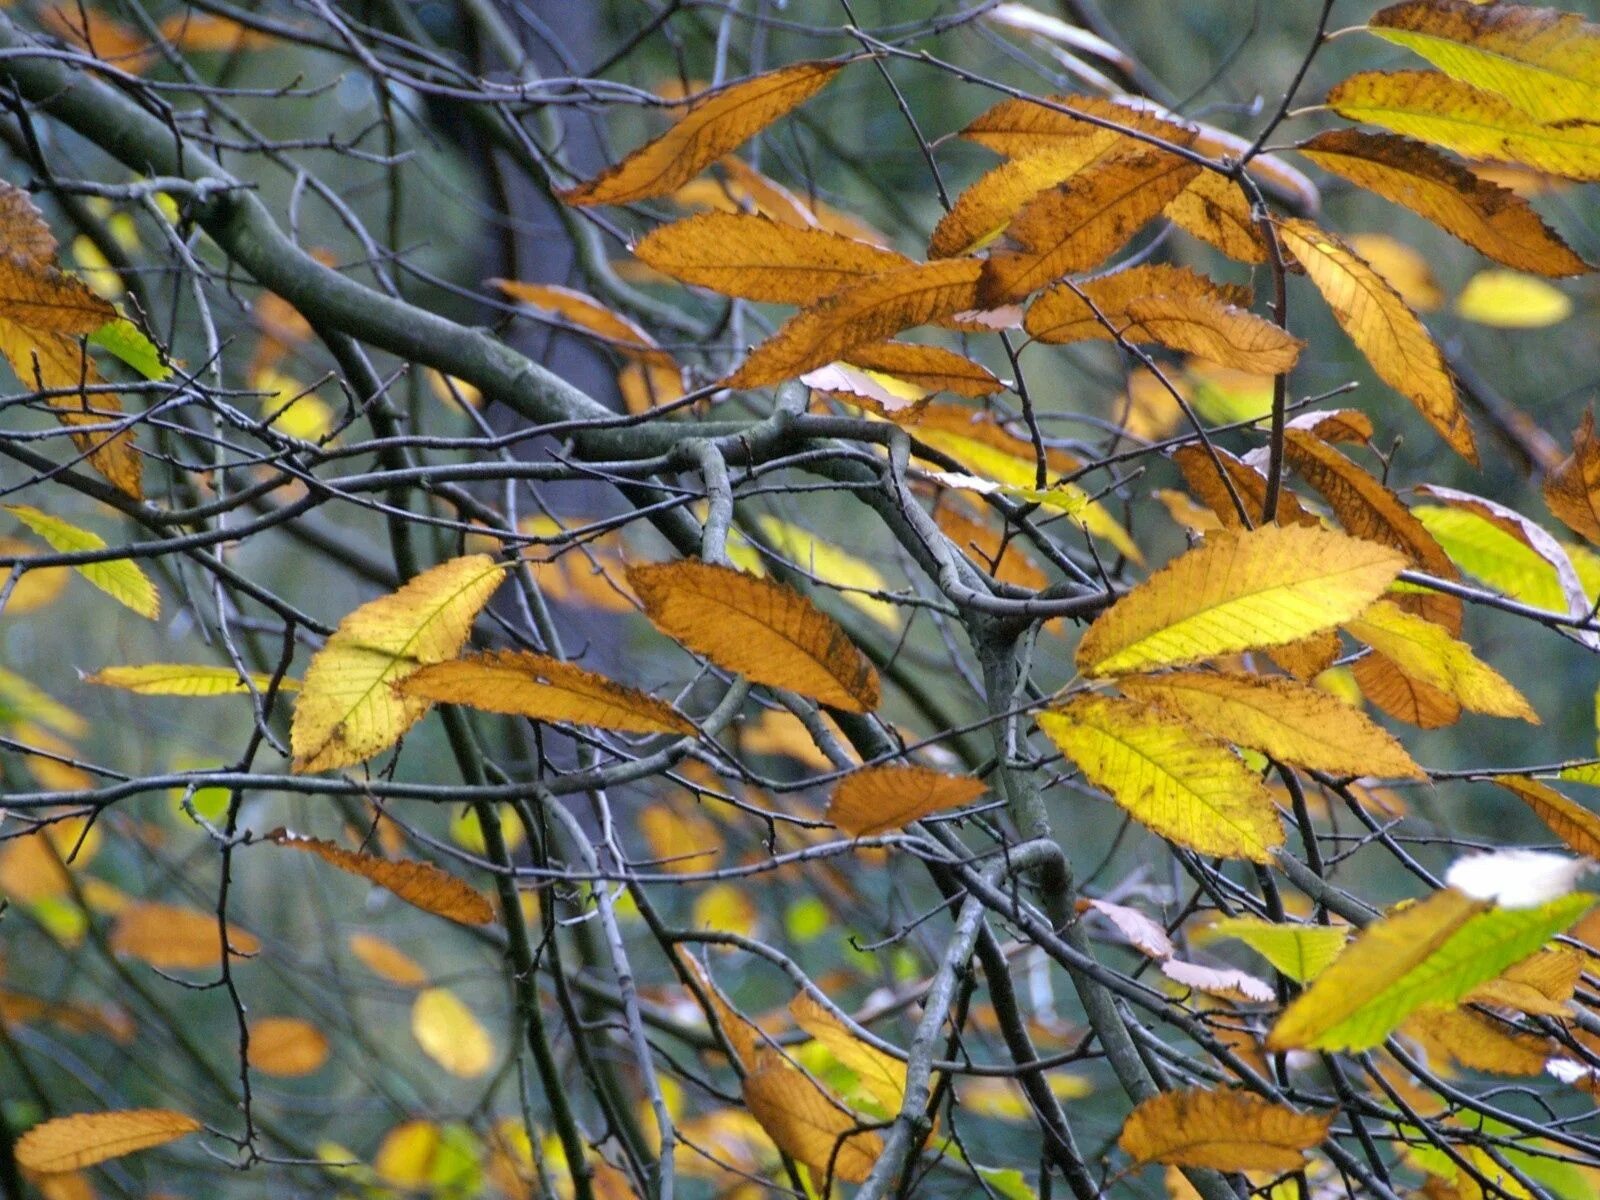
{"points": [[1081, 223], [1224, 1130], [386, 960], [1546, 63], [877, 799], [872, 310], [1403, 268], [449, 1034], [931, 368], [546, 689], [1067, 313], [348, 709], [35, 589], [759, 259], [1406, 699], [1289, 721], [172, 938], [808, 1124], [1004, 558], [882, 1076], [1388, 333], [1570, 821], [588, 314], [682, 840], [119, 578], [715, 123], [1507, 300], [1307, 657], [1427, 653], [184, 679], [1239, 591], [1216, 210], [420, 884], [1469, 121], [1370, 511], [1477, 1042], [1489, 218], [1541, 985], [208, 33], [1183, 784], [83, 1139], [1199, 469], [758, 628], [287, 1047], [1572, 489]]}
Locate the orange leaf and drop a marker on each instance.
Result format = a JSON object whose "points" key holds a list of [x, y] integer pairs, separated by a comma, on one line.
{"points": [[417, 883], [877, 799], [83, 1139]]}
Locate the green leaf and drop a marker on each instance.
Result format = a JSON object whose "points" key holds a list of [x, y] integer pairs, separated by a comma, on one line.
{"points": [[125, 340], [1482, 549], [1300, 951]]}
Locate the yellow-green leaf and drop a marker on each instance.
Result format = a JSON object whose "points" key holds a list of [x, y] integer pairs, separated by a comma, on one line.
{"points": [[1301, 952], [1426, 652], [119, 578], [184, 679]]}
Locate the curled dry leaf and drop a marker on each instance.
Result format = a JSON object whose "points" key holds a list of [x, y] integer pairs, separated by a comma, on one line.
{"points": [[417, 883], [535, 685], [877, 799], [1223, 982], [716, 123], [1145, 933], [1223, 1130], [758, 628], [83, 1139]]}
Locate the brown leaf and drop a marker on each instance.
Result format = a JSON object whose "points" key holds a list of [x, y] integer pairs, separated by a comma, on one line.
{"points": [[1386, 332], [877, 799], [588, 314], [716, 123], [1074, 313], [759, 259], [870, 311], [1224, 1130], [807, 1124], [83, 1139], [1081, 223], [758, 628], [1570, 821], [1572, 489], [1216, 210], [1477, 1042], [417, 883], [534, 685], [1392, 691], [1200, 473], [1491, 219]]}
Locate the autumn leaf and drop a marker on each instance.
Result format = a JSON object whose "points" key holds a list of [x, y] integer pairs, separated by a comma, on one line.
{"points": [[348, 709], [450, 1034], [185, 679], [588, 314], [1570, 821], [1477, 1042], [1291, 722], [1508, 300], [1431, 954], [287, 1047], [1183, 784], [1216, 210], [1200, 472], [881, 1076], [1239, 591], [871, 310], [1471, 122], [1224, 1130], [1084, 221], [1426, 652], [1547, 63], [715, 123], [932, 368], [757, 628], [84, 1139], [1392, 691], [420, 884], [1403, 267], [758, 259], [875, 800], [386, 960], [808, 1124], [1572, 489], [1542, 985], [1491, 219], [170, 937], [544, 688], [1302, 952], [1388, 333], [119, 578], [1225, 983]]}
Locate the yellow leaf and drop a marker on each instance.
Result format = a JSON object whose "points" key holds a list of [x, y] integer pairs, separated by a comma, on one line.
{"points": [[1507, 300], [881, 1076], [877, 799], [287, 1047], [183, 679], [807, 1124], [682, 840], [1224, 1130], [1477, 1042], [758, 259], [21, 699], [1542, 985], [450, 1035], [417, 883], [1489, 218], [725, 908], [1393, 340], [715, 123], [546, 689], [831, 565], [348, 709], [1547, 63], [1216, 210], [871, 310], [1403, 268], [173, 938], [406, 1155], [1081, 223], [1239, 591], [1426, 652], [1572, 489], [119, 578], [1186, 786], [1289, 721], [34, 589], [1302, 952], [587, 313], [83, 1139], [386, 960], [757, 628], [1062, 315], [208, 33], [1468, 121]]}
